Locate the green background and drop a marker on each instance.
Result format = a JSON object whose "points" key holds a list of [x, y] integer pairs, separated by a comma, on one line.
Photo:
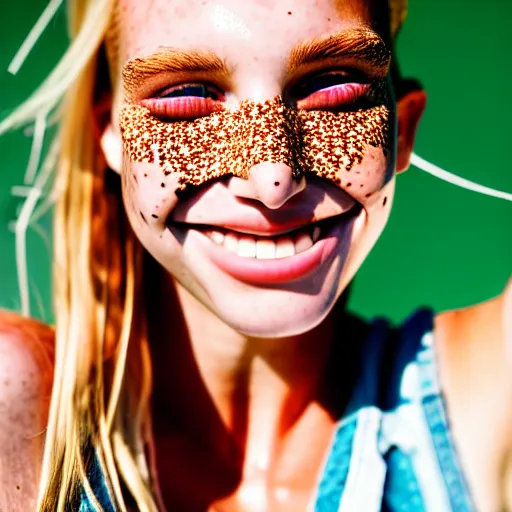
{"points": [[444, 246]]}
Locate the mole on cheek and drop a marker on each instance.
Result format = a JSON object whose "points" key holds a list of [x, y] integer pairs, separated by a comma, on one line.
{"points": [[385, 201]]}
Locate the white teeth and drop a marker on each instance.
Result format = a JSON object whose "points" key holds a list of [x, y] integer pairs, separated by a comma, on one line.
{"points": [[247, 247], [265, 249], [217, 237], [303, 242], [231, 242], [285, 248]]}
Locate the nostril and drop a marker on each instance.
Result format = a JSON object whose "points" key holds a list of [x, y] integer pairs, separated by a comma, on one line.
{"points": [[270, 183]]}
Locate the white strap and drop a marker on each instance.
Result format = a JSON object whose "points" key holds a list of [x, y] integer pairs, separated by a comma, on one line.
{"points": [[436, 171], [365, 481]]}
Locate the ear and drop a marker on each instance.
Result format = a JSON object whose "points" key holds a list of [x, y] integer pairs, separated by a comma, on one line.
{"points": [[112, 147], [108, 137], [410, 109]]}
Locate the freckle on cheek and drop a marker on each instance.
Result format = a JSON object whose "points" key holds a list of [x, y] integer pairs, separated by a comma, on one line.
{"points": [[325, 143]]}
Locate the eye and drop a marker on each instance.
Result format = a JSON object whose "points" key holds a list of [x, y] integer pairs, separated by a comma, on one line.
{"points": [[185, 102], [195, 90], [330, 91]]}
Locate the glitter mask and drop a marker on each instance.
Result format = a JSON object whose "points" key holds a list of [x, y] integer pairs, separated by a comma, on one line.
{"points": [[325, 143]]}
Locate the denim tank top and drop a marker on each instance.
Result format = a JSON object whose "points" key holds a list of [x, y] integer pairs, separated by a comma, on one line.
{"points": [[393, 450]]}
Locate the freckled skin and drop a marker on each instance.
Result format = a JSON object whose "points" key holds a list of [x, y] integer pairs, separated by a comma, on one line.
{"points": [[327, 144], [25, 386], [351, 169]]}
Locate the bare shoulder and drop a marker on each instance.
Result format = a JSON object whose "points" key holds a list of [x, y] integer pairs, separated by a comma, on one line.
{"points": [[474, 347], [475, 343], [26, 373], [26, 356]]}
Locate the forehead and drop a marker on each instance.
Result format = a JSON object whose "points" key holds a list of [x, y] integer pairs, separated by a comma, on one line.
{"points": [[233, 29]]}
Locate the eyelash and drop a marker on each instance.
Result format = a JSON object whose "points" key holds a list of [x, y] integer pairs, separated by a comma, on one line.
{"points": [[182, 106], [329, 91], [179, 103]]}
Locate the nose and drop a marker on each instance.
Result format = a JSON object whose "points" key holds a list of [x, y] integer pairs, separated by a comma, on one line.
{"points": [[269, 183]]}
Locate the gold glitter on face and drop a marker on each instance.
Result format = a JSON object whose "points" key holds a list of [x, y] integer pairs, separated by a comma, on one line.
{"points": [[325, 143]]}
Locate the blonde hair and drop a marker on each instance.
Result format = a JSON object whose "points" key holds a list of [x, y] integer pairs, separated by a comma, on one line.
{"points": [[102, 376], [100, 398]]}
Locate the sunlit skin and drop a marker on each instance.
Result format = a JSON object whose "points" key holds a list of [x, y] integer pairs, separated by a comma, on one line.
{"points": [[258, 71], [250, 377], [265, 392], [253, 359]]}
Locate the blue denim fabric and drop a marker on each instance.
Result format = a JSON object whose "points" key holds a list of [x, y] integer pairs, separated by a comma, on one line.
{"points": [[422, 472], [455, 483], [393, 451], [99, 486], [335, 473], [401, 489]]}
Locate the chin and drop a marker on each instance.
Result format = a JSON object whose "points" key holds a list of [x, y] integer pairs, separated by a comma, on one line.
{"points": [[278, 312], [275, 319]]}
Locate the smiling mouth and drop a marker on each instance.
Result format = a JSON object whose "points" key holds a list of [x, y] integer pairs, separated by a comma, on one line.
{"points": [[266, 247], [269, 247]]}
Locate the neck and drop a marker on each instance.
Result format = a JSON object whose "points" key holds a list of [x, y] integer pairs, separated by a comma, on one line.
{"points": [[255, 387], [230, 409], [249, 382]]}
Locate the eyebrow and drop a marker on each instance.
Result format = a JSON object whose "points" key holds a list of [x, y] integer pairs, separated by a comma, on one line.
{"points": [[169, 60], [359, 45]]}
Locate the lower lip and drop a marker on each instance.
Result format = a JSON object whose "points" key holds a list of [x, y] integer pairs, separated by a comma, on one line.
{"points": [[283, 270]]}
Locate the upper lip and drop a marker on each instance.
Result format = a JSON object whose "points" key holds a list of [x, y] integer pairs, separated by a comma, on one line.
{"points": [[258, 224], [216, 208]]}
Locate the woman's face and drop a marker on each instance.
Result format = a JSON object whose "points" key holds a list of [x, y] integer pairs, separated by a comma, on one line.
{"points": [[265, 240]]}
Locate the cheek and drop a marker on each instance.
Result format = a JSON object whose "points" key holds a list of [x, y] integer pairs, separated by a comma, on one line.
{"points": [[340, 147], [366, 179], [149, 195], [352, 150]]}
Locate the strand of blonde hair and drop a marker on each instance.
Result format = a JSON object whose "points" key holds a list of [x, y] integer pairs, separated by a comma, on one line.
{"points": [[77, 412]]}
